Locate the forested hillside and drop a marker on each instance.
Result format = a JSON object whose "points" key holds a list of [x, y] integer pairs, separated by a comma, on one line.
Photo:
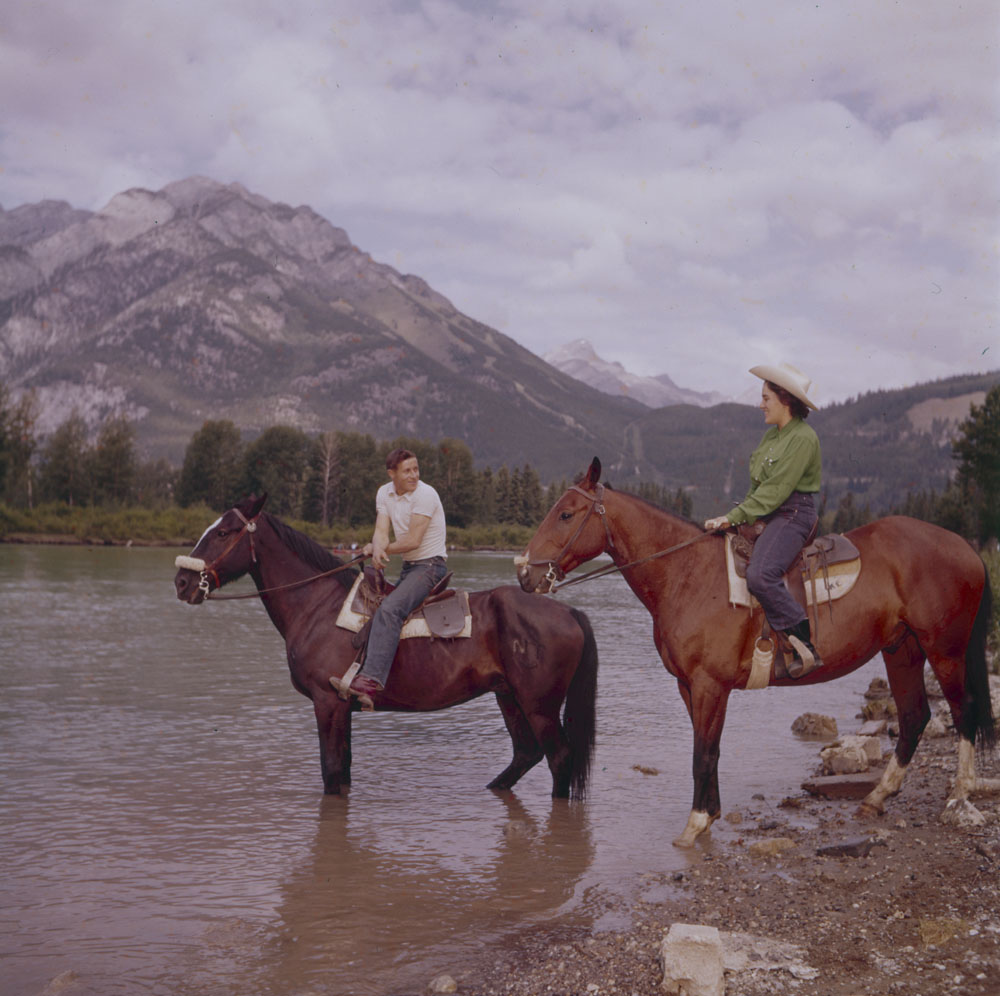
{"points": [[878, 446]]}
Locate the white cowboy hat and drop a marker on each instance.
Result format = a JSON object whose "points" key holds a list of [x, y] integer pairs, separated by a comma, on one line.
{"points": [[790, 378]]}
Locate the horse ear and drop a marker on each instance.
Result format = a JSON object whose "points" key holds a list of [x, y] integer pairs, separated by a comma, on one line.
{"points": [[251, 505], [594, 473]]}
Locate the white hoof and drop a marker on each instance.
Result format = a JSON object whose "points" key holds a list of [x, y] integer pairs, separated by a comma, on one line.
{"points": [[698, 822]]}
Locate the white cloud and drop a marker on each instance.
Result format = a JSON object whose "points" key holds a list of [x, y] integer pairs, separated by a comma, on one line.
{"points": [[686, 185]]}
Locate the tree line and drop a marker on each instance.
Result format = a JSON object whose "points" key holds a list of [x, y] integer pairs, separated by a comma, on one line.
{"points": [[970, 502], [332, 477]]}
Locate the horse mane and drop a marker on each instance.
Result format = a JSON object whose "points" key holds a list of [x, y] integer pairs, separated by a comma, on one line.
{"points": [[310, 551], [658, 508]]}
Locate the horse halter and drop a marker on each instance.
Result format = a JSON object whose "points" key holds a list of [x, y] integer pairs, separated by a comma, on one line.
{"points": [[555, 572], [209, 572]]}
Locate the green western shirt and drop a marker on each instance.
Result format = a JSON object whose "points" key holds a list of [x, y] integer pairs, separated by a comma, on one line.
{"points": [[786, 460]]}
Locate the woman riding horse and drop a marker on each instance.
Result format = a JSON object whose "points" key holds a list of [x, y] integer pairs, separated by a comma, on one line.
{"points": [[784, 475]]}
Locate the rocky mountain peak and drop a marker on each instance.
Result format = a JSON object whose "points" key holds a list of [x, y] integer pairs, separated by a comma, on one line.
{"points": [[580, 360], [203, 300]]}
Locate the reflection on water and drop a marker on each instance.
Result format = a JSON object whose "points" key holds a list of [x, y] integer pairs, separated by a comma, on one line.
{"points": [[163, 824]]}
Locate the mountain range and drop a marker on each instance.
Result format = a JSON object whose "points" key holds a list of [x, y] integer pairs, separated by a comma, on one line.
{"points": [[579, 359], [203, 300], [206, 301]]}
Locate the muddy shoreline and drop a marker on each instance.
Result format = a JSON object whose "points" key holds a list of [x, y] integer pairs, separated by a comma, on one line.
{"points": [[913, 907]]}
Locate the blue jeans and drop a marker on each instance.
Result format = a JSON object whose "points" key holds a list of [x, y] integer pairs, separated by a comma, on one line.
{"points": [[776, 548], [415, 584]]}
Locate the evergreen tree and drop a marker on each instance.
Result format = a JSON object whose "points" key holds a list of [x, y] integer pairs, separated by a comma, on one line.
{"points": [[849, 516], [515, 498], [531, 511], [113, 462], [683, 503], [957, 511], [456, 483], [362, 472], [65, 462], [155, 483], [978, 451], [212, 466], [503, 495], [276, 462], [17, 445], [487, 498], [554, 492]]}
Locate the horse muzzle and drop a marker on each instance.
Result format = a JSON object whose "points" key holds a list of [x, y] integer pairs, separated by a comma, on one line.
{"points": [[537, 578], [191, 580]]}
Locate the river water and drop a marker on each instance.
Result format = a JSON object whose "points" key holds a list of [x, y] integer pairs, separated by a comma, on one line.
{"points": [[164, 830]]}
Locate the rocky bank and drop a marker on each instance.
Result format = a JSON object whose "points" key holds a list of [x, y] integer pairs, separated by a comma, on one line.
{"points": [[809, 898]]}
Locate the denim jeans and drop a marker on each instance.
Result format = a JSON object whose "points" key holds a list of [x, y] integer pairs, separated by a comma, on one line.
{"points": [[415, 584], [776, 548]]}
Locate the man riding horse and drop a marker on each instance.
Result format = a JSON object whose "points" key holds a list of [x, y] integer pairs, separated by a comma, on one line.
{"points": [[413, 510]]}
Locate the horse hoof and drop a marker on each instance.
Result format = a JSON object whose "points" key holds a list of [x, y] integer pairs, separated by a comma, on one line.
{"points": [[866, 811]]}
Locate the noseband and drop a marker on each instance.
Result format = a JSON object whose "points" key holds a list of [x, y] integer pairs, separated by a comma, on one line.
{"points": [[555, 572], [209, 572]]}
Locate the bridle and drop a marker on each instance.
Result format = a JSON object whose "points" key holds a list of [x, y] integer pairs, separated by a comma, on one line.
{"points": [[209, 572], [556, 574]]}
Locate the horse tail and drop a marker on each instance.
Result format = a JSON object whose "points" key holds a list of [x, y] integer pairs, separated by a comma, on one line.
{"points": [[978, 724], [580, 711]]}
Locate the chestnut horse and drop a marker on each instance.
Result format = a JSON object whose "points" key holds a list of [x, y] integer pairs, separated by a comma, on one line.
{"points": [[922, 593], [533, 654]]}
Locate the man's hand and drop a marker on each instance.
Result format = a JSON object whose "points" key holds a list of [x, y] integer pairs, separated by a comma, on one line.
{"points": [[717, 524], [380, 556]]}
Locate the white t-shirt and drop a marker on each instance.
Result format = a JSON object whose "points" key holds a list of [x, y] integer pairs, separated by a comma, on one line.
{"points": [[400, 508]]}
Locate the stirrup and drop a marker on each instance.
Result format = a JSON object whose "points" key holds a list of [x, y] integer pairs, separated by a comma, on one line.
{"points": [[805, 661], [343, 687]]}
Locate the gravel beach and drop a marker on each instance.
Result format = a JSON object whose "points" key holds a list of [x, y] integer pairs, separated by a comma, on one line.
{"points": [[810, 899]]}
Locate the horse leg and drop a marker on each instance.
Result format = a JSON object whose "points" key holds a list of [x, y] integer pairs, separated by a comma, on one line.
{"points": [[333, 723], [904, 666], [550, 739], [558, 752], [967, 783], [706, 705], [527, 750]]}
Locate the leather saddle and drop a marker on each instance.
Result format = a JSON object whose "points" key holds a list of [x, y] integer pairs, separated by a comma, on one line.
{"points": [[815, 567], [445, 610]]}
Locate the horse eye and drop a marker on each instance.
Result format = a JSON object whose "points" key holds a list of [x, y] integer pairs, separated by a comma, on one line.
{"points": [[565, 515], [221, 533]]}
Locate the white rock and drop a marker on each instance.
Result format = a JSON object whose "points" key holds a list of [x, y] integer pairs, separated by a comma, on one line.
{"points": [[815, 724], [935, 728], [691, 955], [443, 984], [961, 813], [850, 755]]}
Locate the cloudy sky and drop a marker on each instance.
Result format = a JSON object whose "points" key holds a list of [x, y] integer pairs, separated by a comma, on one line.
{"points": [[692, 186]]}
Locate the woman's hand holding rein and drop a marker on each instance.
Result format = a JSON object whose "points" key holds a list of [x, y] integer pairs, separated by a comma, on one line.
{"points": [[718, 524]]}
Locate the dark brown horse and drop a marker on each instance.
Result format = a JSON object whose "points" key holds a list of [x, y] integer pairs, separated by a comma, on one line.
{"points": [[923, 593], [533, 654]]}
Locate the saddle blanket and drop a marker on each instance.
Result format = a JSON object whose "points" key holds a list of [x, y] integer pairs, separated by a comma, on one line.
{"points": [[834, 583], [416, 625]]}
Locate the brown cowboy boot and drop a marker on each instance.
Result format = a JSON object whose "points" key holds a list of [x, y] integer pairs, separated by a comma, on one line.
{"points": [[806, 659]]}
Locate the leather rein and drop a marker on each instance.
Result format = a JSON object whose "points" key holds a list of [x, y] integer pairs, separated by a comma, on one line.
{"points": [[209, 572], [556, 574]]}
